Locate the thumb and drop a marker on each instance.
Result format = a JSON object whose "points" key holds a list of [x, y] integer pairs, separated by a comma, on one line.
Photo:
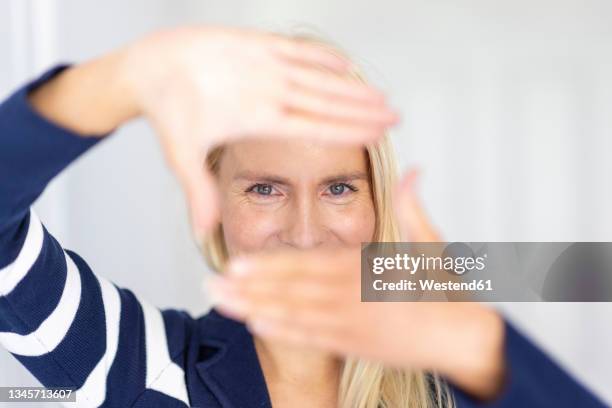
{"points": [[414, 223], [201, 193]]}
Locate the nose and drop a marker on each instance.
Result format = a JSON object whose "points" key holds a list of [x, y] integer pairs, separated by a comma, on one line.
{"points": [[305, 226]]}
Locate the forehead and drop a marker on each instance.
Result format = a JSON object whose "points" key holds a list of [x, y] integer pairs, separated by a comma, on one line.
{"points": [[293, 158]]}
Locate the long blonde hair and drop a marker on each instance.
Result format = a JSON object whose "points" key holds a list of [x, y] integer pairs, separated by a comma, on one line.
{"points": [[363, 384]]}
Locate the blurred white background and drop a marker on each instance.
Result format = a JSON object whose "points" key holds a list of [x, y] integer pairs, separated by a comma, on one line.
{"points": [[507, 109]]}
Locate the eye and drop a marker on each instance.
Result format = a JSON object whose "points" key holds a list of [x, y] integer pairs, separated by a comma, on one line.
{"points": [[338, 189], [263, 190]]}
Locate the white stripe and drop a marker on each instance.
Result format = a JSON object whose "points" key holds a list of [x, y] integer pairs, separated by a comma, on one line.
{"points": [[53, 330], [11, 275], [93, 391], [163, 374]]}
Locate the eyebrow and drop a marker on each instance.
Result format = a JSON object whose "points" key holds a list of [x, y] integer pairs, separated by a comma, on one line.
{"points": [[276, 179], [359, 175]]}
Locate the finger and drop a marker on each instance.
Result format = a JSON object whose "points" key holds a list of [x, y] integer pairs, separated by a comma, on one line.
{"points": [[273, 295], [226, 298], [302, 291], [344, 132], [339, 109], [332, 84], [333, 314], [244, 303], [321, 306], [280, 265], [321, 338], [414, 222], [201, 192], [311, 53]]}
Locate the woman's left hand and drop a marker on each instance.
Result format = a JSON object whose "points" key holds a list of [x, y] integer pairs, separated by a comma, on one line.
{"points": [[313, 298]]}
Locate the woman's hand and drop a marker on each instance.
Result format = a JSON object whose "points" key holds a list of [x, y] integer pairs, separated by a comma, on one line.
{"points": [[200, 87], [314, 299]]}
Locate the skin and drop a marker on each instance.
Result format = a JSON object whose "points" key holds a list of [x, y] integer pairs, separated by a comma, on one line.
{"points": [[311, 299], [271, 200], [200, 87], [203, 86]]}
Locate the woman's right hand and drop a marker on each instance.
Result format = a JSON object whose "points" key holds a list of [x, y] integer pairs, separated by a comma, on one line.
{"points": [[201, 86]]}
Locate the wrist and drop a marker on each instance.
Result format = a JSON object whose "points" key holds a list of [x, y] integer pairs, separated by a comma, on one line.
{"points": [[90, 99], [144, 70], [477, 362]]}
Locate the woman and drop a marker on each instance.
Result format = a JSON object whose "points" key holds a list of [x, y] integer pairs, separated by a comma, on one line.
{"points": [[305, 195], [74, 329]]}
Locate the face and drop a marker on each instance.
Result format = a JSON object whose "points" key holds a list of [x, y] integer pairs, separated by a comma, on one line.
{"points": [[294, 194]]}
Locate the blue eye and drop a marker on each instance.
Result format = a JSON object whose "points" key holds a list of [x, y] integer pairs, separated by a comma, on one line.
{"points": [[262, 189], [340, 188]]}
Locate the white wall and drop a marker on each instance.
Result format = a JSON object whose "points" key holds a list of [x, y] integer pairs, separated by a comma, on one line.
{"points": [[507, 109]]}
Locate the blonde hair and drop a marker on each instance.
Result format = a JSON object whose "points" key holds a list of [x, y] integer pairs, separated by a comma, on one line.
{"points": [[363, 384]]}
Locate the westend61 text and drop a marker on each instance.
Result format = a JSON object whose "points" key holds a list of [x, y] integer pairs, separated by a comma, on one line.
{"points": [[432, 285]]}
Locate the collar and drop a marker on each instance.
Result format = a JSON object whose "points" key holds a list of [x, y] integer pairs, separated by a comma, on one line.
{"points": [[227, 363]]}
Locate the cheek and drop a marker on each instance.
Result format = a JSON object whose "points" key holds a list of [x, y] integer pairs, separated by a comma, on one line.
{"points": [[246, 230], [354, 225]]}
